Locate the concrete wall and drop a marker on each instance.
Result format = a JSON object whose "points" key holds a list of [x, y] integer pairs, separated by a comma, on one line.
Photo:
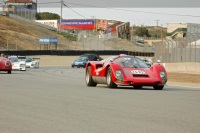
{"points": [[46, 60], [173, 26], [187, 67]]}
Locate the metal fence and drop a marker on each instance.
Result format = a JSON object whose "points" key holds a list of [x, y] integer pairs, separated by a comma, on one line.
{"points": [[26, 42], [110, 41], [29, 20], [185, 49], [29, 16]]}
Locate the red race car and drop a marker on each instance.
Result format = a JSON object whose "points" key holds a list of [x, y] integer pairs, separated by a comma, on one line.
{"points": [[5, 65], [124, 70]]}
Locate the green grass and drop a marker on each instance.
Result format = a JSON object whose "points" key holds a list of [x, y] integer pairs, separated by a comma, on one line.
{"points": [[69, 36]]}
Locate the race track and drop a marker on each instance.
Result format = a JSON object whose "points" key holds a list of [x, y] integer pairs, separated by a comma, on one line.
{"points": [[56, 100]]}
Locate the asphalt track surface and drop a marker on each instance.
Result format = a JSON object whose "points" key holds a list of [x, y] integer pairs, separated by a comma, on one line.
{"points": [[57, 100]]}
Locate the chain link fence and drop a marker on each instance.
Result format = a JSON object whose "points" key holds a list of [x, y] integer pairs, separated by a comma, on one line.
{"points": [[89, 40], [27, 42], [185, 49]]}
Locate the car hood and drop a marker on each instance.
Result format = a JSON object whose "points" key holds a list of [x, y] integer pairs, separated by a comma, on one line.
{"points": [[19, 62]]}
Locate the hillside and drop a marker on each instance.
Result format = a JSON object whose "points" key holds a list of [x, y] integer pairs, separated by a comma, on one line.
{"points": [[20, 35]]}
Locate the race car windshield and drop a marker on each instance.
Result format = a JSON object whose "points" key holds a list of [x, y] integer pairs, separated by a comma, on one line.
{"points": [[129, 61], [82, 59], [14, 59], [29, 60]]}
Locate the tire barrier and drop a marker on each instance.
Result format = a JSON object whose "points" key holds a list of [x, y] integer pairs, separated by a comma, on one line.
{"points": [[75, 52]]}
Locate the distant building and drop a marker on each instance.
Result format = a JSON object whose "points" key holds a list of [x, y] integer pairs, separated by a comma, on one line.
{"points": [[180, 30], [19, 6]]}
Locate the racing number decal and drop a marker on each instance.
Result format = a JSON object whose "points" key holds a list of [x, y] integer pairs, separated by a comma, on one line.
{"points": [[97, 72], [137, 72]]}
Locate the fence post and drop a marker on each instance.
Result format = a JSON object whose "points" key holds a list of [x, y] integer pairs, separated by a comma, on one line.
{"points": [[7, 44]]}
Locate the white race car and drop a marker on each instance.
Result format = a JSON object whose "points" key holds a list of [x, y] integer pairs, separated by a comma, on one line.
{"points": [[17, 64], [32, 62]]}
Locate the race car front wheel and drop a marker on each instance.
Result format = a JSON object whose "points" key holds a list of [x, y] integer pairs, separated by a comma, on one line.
{"points": [[9, 72], [109, 81], [158, 87], [88, 78]]}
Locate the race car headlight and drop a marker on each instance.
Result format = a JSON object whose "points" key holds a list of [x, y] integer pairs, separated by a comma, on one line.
{"points": [[119, 75], [7, 64], [162, 74]]}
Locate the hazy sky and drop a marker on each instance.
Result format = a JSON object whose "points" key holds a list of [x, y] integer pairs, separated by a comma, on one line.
{"points": [[136, 16], [138, 12]]}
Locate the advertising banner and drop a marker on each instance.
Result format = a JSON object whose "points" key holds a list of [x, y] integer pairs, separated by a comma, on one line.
{"points": [[52, 23], [48, 40], [102, 24], [76, 24]]}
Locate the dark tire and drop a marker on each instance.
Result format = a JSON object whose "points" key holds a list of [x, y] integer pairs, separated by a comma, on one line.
{"points": [[88, 78], [158, 87], [9, 72], [72, 66], [137, 87], [109, 81]]}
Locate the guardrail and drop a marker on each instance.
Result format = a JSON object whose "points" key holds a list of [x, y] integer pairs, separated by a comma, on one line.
{"points": [[75, 52]]}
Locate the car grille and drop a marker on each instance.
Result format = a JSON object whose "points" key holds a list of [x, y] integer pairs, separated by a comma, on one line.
{"points": [[22, 65], [140, 75]]}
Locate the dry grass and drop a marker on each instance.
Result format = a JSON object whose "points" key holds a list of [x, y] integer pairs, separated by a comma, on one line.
{"points": [[183, 77], [25, 36]]}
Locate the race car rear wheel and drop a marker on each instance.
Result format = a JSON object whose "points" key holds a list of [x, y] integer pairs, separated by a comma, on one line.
{"points": [[88, 78], [158, 87], [109, 81]]}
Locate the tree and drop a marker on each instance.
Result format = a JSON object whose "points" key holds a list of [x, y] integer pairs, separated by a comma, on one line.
{"points": [[47, 16], [142, 31]]}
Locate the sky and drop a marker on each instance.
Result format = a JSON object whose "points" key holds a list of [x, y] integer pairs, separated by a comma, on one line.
{"points": [[137, 12], [136, 16]]}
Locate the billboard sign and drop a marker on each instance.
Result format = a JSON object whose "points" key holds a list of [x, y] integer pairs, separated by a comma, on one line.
{"points": [[48, 40], [102, 24], [76, 24], [52, 23]]}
